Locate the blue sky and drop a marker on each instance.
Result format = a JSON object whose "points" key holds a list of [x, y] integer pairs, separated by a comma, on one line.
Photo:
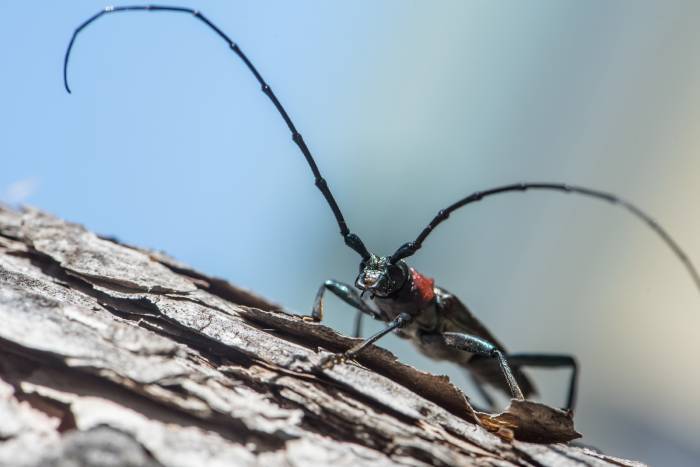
{"points": [[168, 143]]}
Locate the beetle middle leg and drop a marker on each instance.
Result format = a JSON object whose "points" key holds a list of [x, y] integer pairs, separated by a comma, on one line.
{"points": [[481, 347], [346, 293]]}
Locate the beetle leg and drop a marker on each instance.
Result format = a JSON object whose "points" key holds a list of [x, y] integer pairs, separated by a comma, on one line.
{"points": [[346, 293], [331, 360], [478, 346], [483, 392], [357, 329], [551, 361]]}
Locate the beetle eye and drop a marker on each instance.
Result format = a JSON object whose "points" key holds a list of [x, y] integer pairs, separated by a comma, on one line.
{"points": [[395, 273]]}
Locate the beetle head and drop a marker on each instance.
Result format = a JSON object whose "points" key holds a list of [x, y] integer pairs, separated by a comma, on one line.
{"points": [[379, 276]]}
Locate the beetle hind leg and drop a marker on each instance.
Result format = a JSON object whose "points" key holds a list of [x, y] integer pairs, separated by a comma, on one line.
{"points": [[551, 361], [483, 392]]}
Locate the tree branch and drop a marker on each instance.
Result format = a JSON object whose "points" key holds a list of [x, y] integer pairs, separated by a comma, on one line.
{"points": [[111, 350]]}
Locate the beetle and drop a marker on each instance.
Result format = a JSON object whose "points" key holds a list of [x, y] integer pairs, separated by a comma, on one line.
{"points": [[389, 290]]}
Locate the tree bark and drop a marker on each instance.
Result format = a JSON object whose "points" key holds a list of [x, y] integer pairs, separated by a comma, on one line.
{"points": [[114, 355]]}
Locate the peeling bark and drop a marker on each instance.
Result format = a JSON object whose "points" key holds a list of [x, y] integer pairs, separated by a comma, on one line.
{"points": [[114, 355]]}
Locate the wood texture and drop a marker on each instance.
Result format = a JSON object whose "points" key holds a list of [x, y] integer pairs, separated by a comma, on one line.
{"points": [[113, 355]]}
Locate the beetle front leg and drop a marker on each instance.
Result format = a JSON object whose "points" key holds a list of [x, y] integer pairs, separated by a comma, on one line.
{"points": [[331, 360], [478, 346], [357, 328], [346, 293]]}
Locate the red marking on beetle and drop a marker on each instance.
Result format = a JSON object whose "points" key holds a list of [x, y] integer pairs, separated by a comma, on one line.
{"points": [[423, 286]]}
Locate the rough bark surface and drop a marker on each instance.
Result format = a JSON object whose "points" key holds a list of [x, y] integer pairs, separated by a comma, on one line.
{"points": [[111, 355]]}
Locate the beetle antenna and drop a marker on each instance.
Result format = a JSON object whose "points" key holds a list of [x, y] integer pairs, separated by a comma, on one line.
{"points": [[352, 240], [408, 249]]}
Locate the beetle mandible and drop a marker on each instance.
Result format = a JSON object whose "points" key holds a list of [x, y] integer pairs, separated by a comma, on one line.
{"points": [[389, 290]]}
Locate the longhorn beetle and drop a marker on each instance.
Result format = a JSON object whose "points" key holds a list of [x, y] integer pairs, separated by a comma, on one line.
{"points": [[411, 304]]}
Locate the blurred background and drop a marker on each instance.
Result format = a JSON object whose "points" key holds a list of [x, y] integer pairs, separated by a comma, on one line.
{"points": [[168, 143]]}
